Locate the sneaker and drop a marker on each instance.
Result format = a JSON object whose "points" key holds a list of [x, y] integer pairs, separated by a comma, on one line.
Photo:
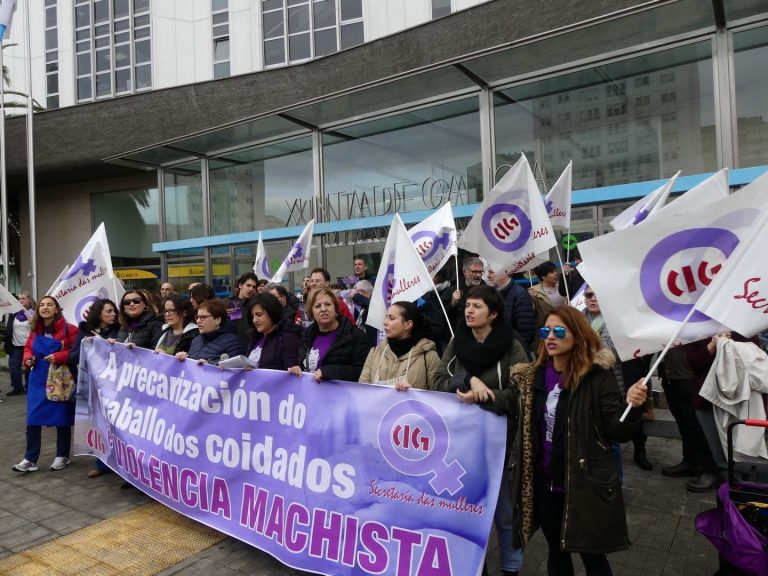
{"points": [[25, 466], [59, 463]]}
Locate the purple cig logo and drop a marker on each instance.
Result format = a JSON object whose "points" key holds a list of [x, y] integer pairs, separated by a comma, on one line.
{"points": [[413, 438], [687, 275], [388, 284], [506, 226]]}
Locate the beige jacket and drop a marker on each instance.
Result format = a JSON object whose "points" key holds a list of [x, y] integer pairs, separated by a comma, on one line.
{"points": [[418, 367]]}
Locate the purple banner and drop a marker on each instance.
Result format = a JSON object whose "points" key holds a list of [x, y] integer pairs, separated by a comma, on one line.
{"points": [[331, 477]]}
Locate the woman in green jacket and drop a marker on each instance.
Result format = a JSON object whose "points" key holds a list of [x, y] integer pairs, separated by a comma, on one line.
{"points": [[568, 406]]}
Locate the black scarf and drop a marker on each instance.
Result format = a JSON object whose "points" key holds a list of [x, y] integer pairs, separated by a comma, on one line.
{"points": [[477, 357], [402, 346]]}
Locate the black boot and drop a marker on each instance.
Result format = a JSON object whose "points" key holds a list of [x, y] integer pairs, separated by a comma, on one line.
{"points": [[642, 461]]}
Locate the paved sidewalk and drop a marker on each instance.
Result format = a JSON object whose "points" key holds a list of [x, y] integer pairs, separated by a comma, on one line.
{"points": [[41, 506]]}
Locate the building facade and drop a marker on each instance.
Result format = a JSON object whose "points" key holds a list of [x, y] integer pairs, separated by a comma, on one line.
{"points": [[420, 112]]}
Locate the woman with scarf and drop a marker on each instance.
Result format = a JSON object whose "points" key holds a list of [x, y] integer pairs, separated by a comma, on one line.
{"points": [[48, 343], [406, 359], [139, 324], [479, 359], [565, 407]]}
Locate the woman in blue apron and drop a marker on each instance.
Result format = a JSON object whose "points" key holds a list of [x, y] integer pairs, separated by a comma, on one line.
{"points": [[49, 342]]}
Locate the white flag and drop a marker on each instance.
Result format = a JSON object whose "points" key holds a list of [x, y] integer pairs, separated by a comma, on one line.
{"points": [[713, 188], [511, 226], [578, 301], [261, 266], [648, 278], [402, 275], [435, 239], [558, 200], [88, 279], [298, 255], [738, 296], [644, 207], [8, 302], [7, 8]]}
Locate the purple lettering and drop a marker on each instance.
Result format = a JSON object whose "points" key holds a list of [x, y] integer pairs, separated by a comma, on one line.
{"points": [[408, 540], [295, 541], [220, 501], [375, 560], [188, 482], [274, 528], [325, 533], [254, 510]]}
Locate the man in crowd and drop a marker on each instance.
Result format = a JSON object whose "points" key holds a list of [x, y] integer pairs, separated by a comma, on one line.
{"points": [[166, 289], [288, 301], [16, 331], [518, 306], [472, 275], [360, 268], [245, 287]]}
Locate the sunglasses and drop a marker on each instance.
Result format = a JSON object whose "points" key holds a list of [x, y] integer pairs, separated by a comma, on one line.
{"points": [[589, 295], [132, 301], [559, 332]]}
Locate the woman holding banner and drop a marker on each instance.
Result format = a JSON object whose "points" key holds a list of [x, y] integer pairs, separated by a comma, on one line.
{"points": [[139, 324], [276, 339], [406, 359], [566, 406], [478, 359], [332, 348], [179, 329], [49, 342], [218, 337]]}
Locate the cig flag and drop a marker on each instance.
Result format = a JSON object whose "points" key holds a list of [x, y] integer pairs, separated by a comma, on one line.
{"points": [[7, 7], [558, 200], [644, 207], [8, 302], [435, 239], [298, 255], [261, 266], [88, 279], [713, 188], [649, 277], [402, 275], [738, 296], [511, 226]]}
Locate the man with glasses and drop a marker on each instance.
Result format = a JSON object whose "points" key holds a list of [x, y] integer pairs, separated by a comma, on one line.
{"points": [[518, 306], [166, 290], [472, 275]]}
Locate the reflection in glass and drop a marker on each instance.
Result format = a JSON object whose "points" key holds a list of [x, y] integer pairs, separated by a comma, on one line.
{"points": [[352, 35], [751, 52], [269, 187], [298, 47], [183, 202], [325, 42], [351, 9], [131, 218], [639, 119], [414, 161]]}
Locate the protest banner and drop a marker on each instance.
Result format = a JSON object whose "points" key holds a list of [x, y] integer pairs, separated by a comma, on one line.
{"points": [[330, 477]]}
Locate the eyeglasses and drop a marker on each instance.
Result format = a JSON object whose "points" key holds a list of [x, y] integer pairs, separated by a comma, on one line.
{"points": [[167, 311], [128, 301], [475, 271], [201, 317], [589, 295], [558, 331]]}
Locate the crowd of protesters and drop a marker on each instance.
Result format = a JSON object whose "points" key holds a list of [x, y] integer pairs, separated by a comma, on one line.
{"points": [[514, 347]]}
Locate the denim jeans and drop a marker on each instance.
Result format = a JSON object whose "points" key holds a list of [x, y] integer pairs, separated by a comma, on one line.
{"points": [[19, 376], [510, 558], [63, 442]]}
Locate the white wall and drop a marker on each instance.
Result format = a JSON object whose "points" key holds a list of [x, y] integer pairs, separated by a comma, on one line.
{"points": [[182, 49], [385, 18]]}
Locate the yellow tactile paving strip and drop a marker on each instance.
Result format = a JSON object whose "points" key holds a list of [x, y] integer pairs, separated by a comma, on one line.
{"points": [[145, 540]]}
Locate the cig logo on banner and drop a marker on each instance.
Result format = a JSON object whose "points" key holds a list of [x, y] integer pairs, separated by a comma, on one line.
{"points": [[507, 226]]}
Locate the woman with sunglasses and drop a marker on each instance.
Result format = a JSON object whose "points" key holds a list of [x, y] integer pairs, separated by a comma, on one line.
{"points": [[625, 371], [48, 344], [218, 335], [139, 324], [478, 359], [180, 328], [567, 407]]}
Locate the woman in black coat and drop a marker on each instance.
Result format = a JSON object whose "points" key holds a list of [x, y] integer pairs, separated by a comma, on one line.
{"points": [[139, 324], [332, 348]]}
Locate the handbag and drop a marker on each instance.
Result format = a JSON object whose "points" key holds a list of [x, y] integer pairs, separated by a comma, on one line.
{"points": [[60, 384]]}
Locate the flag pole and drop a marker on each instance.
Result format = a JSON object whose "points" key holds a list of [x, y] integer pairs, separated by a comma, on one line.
{"points": [[3, 182], [31, 161], [565, 284], [661, 356]]}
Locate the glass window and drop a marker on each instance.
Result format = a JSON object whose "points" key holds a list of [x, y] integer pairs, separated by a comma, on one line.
{"points": [[143, 77], [120, 8], [183, 202], [83, 46], [351, 9], [83, 63], [82, 16], [102, 30], [122, 25], [220, 5], [221, 30], [123, 80], [324, 13], [271, 5], [100, 11], [140, 6], [221, 70], [84, 90], [220, 18], [298, 19], [102, 42], [51, 56], [141, 33], [132, 220], [418, 160], [103, 85], [750, 53], [51, 39], [440, 8], [83, 34], [142, 51], [50, 17], [274, 52], [52, 102], [579, 116], [325, 42], [141, 21], [273, 25], [261, 193], [221, 50], [52, 83], [122, 56], [123, 37], [103, 60], [352, 35], [298, 47], [53, 66]]}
